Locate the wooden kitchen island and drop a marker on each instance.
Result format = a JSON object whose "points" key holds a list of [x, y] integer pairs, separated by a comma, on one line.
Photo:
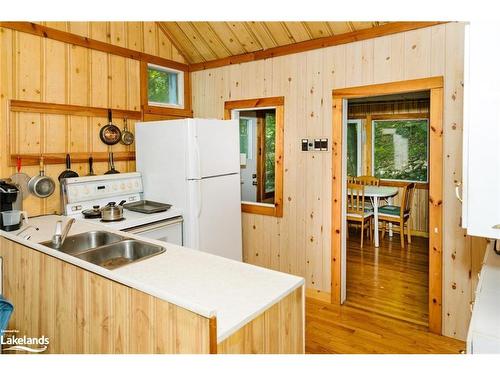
{"points": [[82, 311]]}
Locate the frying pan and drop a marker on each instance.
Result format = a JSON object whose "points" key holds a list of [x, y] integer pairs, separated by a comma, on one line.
{"points": [[91, 167], [110, 134], [21, 179], [111, 164], [42, 186], [68, 173], [127, 137]]}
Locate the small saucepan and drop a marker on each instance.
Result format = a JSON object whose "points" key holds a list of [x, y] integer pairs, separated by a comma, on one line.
{"points": [[127, 136], [92, 213], [41, 186], [110, 134], [112, 211]]}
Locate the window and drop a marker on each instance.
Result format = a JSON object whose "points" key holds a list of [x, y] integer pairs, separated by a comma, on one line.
{"points": [[400, 149], [261, 123], [354, 148], [246, 139], [165, 86], [269, 149]]}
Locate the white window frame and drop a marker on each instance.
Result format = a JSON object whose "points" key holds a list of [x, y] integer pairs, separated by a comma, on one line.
{"points": [[359, 129], [250, 125], [373, 148], [180, 87]]}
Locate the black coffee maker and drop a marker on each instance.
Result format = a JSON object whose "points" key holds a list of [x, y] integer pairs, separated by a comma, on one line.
{"points": [[10, 199]]}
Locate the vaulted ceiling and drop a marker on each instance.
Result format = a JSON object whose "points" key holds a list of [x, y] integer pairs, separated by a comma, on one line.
{"points": [[207, 41]]}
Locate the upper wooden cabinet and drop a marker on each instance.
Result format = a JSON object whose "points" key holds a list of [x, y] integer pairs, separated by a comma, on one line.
{"points": [[481, 143]]}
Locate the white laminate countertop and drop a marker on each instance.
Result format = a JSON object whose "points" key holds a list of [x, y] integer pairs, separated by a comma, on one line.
{"points": [[203, 283]]}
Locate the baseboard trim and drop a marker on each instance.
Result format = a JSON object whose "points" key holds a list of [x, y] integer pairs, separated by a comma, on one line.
{"points": [[319, 295]]}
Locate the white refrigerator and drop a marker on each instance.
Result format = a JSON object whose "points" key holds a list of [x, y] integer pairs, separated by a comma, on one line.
{"points": [[194, 164]]}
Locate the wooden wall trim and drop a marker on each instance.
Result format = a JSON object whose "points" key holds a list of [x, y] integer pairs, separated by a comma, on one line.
{"points": [[413, 85], [436, 211], [73, 110], [76, 157], [355, 36], [337, 225], [435, 86], [392, 116], [63, 36]]}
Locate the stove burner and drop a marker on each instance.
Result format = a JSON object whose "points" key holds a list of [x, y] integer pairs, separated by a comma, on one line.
{"points": [[112, 221]]}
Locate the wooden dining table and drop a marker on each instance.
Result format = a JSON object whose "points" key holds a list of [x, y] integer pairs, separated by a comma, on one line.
{"points": [[375, 193]]}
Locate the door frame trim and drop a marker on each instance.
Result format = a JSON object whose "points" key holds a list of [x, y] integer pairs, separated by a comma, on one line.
{"points": [[435, 86]]}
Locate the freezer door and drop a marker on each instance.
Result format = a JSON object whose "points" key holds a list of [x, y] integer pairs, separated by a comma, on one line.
{"points": [[214, 148], [215, 219]]}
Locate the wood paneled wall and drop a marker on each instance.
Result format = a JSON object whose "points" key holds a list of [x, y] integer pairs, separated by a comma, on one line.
{"points": [[44, 70], [299, 242]]}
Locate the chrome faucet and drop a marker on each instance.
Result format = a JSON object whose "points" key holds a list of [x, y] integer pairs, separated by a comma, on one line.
{"points": [[60, 234]]}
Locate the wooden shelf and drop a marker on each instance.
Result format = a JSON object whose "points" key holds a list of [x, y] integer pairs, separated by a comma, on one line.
{"points": [[74, 110], [76, 157]]}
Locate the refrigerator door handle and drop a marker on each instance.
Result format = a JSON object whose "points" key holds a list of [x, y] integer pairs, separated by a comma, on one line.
{"points": [[194, 164], [199, 200]]}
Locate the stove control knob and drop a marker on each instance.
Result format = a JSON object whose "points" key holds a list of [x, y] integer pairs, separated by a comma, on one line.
{"points": [[115, 186], [122, 186], [136, 184], [129, 185]]}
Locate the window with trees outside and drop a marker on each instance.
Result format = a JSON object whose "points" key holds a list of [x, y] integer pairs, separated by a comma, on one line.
{"points": [[354, 148], [165, 86], [401, 149]]}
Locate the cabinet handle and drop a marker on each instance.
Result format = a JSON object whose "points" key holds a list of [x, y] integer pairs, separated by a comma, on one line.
{"points": [[458, 185]]}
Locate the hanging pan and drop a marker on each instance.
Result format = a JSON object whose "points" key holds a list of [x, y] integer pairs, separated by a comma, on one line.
{"points": [[110, 134], [41, 186], [91, 167], [21, 179], [111, 165], [68, 173], [127, 136]]}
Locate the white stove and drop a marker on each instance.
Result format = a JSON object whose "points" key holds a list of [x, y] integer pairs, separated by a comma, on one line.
{"points": [[83, 193]]}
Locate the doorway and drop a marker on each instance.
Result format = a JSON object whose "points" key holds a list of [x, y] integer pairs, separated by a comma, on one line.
{"points": [[387, 152], [434, 88]]}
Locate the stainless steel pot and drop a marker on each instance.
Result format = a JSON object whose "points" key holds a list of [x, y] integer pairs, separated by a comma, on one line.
{"points": [[112, 211], [41, 186]]}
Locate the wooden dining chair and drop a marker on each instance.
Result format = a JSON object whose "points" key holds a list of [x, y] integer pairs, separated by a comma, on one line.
{"points": [[368, 180], [356, 211], [399, 215]]}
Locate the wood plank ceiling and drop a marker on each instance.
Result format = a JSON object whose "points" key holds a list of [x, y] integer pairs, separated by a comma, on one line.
{"points": [[207, 41]]}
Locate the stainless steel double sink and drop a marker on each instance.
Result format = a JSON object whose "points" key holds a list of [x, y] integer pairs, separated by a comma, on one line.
{"points": [[106, 249]]}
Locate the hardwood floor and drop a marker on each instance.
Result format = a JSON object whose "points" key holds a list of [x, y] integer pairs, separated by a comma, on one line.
{"points": [[337, 329], [386, 309], [390, 281]]}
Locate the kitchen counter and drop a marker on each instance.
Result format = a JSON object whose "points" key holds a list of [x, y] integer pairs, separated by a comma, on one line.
{"points": [[203, 283]]}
